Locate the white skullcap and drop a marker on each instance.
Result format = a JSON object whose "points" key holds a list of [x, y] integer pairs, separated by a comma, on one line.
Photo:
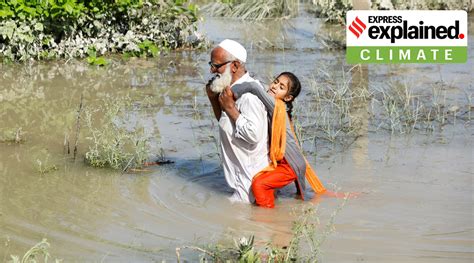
{"points": [[235, 49]]}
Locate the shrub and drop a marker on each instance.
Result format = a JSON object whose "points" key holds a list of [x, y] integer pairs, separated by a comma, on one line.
{"points": [[45, 29], [253, 9], [112, 144]]}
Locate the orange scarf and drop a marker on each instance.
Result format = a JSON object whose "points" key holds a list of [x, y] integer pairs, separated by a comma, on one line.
{"points": [[278, 145]]}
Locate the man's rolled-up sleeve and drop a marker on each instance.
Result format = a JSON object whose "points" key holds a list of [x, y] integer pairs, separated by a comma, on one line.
{"points": [[250, 125]]}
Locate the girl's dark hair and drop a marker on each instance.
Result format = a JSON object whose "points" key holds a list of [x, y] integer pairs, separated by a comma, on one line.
{"points": [[294, 90]]}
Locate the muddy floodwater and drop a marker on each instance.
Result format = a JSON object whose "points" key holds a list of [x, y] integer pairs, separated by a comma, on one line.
{"points": [[416, 201]]}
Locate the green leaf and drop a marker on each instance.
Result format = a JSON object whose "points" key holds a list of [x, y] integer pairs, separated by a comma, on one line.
{"points": [[39, 27], [5, 13], [91, 52], [68, 8], [8, 29], [101, 61], [91, 60]]}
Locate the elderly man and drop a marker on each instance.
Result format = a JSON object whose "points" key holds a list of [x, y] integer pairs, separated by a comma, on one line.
{"points": [[243, 125]]}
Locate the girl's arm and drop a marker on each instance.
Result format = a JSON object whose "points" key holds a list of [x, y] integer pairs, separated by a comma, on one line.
{"points": [[255, 89], [292, 154]]}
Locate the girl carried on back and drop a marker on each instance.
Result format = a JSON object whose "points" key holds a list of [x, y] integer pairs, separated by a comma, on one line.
{"points": [[287, 162]]}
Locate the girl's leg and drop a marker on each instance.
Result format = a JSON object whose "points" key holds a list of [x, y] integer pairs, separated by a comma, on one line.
{"points": [[264, 185]]}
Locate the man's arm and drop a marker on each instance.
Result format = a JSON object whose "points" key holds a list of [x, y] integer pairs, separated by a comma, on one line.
{"points": [[214, 99]]}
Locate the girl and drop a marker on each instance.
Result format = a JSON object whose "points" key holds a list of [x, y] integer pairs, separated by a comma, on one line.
{"points": [[285, 87], [284, 167]]}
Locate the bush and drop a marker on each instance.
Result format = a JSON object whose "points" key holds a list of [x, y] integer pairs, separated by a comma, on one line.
{"points": [[111, 143], [253, 9], [45, 29]]}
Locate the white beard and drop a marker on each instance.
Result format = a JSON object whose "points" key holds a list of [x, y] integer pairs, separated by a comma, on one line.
{"points": [[222, 81]]}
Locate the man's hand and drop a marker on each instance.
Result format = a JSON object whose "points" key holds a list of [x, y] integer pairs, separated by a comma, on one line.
{"points": [[227, 103]]}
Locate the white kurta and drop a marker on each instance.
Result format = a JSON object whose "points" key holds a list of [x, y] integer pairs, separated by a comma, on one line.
{"points": [[244, 147]]}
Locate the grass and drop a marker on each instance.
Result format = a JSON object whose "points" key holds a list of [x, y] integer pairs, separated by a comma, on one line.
{"points": [[13, 136], [335, 109], [327, 113], [332, 11], [405, 110], [38, 253], [308, 235], [43, 167], [111, 143], [253, 9]]}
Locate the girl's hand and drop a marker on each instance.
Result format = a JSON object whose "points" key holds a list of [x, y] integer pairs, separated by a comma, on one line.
{"points": [[227, 103], [226, 100]]}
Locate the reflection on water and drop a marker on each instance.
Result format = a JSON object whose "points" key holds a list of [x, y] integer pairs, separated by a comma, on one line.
{"points": [[417, 201]]}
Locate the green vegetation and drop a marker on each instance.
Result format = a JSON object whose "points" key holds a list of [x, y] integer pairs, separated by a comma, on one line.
{"points": [[253, 9], [145, 49], [424, 4], [328, 112], [308, 235], [43, 167], [12, 136], [403, 108], [38, 253], [337, 109], [304, 246], [93, 59], [112, 143], [47, 29], [334, 11]]}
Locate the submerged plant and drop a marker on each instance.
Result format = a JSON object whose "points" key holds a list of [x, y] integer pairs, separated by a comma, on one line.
{"points": [[247, 251], [253, 9], [43, 164], [341, 106], [330, 110], [43, 167], [400, 108], [37, 253], [145, 49], [95, 60], [13, 136], [308, 235], [112, 144]]}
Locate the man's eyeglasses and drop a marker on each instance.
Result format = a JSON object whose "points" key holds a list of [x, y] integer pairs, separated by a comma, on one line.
{"points": [[215, 66]]}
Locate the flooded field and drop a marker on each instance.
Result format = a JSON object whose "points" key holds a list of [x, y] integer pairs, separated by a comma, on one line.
{"points": [[416, 187]]}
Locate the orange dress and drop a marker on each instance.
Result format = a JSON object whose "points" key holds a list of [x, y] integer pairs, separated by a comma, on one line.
{"points": [[279, 172]]}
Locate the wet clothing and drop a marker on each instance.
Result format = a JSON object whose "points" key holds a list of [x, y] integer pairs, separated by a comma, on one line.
{"points": [[244, 146], [292, 153], [278, 173], [264, 185]]}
